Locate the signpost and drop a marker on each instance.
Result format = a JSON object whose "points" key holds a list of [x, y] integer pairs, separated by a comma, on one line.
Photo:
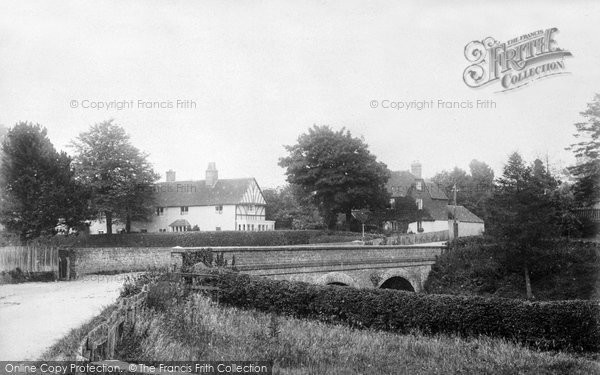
{"points": [[362, 216]]}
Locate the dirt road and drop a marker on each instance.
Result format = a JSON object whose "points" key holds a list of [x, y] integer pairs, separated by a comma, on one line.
{"points": [[35, 315]]}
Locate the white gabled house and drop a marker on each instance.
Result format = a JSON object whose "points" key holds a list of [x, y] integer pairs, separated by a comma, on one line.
{"points": [[212, 204]]}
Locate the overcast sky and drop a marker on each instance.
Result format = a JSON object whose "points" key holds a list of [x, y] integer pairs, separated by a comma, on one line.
{"points": [[262, 72]]}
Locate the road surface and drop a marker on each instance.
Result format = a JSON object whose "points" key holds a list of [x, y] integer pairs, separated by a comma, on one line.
{"points": [[33, 316]]}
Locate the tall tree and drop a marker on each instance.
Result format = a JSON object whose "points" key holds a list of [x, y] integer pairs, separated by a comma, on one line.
{"points": [[473, 190], [337, 171], [449, 179], [38, 188], [523, 213], [118, 175], [587, 151], [481, 188]]}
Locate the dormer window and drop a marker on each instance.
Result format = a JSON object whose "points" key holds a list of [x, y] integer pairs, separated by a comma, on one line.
{"points": [[419, 185]]}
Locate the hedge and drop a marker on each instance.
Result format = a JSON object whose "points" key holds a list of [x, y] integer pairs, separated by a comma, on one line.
{"points": [[197, 239], [188, 239], [563, 325]]}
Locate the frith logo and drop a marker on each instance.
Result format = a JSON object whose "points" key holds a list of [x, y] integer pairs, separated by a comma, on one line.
{"points": [[515, 63]]}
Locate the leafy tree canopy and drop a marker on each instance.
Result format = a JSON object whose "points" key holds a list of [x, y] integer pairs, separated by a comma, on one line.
{"points": [[118, 175], [473, 190], [337, 171], [291, 209], [587, 150], [38, 188]]}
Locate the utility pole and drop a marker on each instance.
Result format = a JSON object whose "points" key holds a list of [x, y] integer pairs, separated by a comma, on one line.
{"points": [[455, 224]]}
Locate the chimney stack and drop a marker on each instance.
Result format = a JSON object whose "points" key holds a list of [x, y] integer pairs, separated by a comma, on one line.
{"points": [[170, 175], [416, 169], [212, 175]]}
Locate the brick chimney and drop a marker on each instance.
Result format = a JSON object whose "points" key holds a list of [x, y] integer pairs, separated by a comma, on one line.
{"points": [[170, 175], [212, 175], [416, 169]]}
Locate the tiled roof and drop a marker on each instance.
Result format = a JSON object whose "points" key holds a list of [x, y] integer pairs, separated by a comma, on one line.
{"points": [[435, 192], [435, 210], [400, 183], [463, 214], [180, 223], [197, 193]]}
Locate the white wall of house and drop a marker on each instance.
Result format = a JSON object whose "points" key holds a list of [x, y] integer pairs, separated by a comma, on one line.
{"points": [[429, 226], [207, 218], [466, 229], [99, 227]]}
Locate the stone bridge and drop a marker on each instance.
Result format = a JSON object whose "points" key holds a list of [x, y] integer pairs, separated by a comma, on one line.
{"points": [[361, 266]]}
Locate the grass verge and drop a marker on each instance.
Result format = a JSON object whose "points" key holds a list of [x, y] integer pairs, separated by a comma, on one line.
{"points": [[200, 329]]}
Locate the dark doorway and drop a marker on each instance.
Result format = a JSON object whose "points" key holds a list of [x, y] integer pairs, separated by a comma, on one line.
{"points": [[63, 265], [398, 283]]}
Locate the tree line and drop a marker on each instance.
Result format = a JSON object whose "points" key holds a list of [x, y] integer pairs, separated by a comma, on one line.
{"points": [[43, 190], [331, 173]]}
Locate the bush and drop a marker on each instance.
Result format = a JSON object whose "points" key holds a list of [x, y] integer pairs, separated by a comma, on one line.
{"points": [[560, 270], [569, 325]]}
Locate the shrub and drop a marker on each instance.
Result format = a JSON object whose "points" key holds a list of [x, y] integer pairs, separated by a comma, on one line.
{"points": [[569, 325]]}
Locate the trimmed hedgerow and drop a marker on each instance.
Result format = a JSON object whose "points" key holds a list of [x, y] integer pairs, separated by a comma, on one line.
{"points": [[189, 239], [561, 325]]}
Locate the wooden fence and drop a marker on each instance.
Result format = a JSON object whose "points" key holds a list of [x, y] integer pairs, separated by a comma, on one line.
{"points": [[29, 258], [100, 342], [592, 214], [417, 238]]}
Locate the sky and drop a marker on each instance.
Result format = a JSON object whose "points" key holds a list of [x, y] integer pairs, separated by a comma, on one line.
{"points": [[238, 80]]}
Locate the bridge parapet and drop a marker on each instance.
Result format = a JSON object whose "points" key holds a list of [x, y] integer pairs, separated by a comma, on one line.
{"points": [[327, 263], [257, 257]]}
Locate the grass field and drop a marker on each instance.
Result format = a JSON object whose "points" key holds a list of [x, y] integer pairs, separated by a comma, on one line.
{"points": [[200, 329]]}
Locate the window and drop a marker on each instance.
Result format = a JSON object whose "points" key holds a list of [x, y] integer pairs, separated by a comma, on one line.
{"points": [[160, 211], [100, 232], [239, 226], [419, 203], [184, 210], [219, 209], [419, 185], [218, 229]]}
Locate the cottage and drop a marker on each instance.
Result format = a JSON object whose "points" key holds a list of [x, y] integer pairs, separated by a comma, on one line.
{"points": [[211, 204], [433, 212]]}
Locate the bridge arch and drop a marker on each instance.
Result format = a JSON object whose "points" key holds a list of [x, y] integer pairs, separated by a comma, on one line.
{"points": [[399, 280], [337, 278], [398, 283]]}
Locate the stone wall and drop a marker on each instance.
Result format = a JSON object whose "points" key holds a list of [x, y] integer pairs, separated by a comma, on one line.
{"points": [[85, 261]]}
